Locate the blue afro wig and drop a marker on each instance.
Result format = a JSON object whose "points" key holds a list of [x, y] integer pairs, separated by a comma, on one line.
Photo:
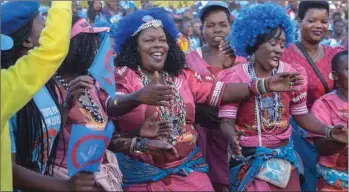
{"points": [[257, 20], [130, 23]]}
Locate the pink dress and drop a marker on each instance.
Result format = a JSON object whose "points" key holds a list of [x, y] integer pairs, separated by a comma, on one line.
{"points": [[109, 177], [211, 141], [315, 87], [193, 88], [292, 103], [331, 110]]}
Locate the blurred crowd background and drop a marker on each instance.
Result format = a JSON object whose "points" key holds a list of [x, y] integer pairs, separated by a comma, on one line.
{"points": [[185, 15]]}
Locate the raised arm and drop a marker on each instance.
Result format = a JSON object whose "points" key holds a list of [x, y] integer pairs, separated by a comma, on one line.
{"points": [[20, 82]]}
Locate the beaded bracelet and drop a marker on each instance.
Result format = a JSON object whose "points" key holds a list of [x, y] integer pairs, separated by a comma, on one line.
{"points": [[261, 86], [141, 145], [258, 87], [133, 143]]}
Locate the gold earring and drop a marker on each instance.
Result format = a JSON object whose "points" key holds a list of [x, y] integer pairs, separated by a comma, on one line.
{"points": [[331, 76]]}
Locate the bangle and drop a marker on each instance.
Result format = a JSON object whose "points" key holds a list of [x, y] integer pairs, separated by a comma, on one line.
{"points": [[261, 86], [252, 87], [141, 145], [267, 85], [328, 134], [133, 143]]}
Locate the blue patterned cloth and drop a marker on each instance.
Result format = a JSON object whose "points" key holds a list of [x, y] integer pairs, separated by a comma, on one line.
{"points": [[331, 176], [256, 161], [136, 172], [308, 154]]}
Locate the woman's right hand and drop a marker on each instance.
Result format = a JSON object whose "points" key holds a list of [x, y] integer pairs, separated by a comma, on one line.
{"points": [[156, 94], [152, 127], [339, 134], [77, 88], [82, 181], [286, 81], [235, 144]]}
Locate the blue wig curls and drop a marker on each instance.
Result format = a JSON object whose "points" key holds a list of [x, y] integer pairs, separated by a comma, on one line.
{"points": [[257, 20], [129, 24]]}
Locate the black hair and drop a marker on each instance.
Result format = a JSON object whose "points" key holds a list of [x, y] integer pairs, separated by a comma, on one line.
{"points": [[91, 12], [129, 56], [262, 38], [30, 125], [335, 14], [82, 51], [336, 60], [304, 6], [336, 21], [215, 9]]}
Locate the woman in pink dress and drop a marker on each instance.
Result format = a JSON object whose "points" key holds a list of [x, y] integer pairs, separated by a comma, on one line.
{"points": [[145, 43], [262, 135], [332, 109], [314, 17], [208, 60]]}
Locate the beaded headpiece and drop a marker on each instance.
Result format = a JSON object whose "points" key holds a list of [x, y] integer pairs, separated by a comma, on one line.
{"points": [[149, 21], [132, 24]]}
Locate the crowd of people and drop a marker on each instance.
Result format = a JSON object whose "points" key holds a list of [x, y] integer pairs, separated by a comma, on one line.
{"points": [[238, 96]]}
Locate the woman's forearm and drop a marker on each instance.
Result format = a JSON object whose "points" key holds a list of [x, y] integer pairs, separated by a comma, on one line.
{"points": [[235, 92], [122, 104], [26, 179], [227, 129], [327, 147], [310, 123]]}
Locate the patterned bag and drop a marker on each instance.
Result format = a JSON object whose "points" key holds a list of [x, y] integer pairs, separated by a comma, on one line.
{"points": [[276, 172]]}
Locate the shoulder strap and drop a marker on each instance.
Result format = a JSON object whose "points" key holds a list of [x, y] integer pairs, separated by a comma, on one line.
{"points": [[311, 62]]}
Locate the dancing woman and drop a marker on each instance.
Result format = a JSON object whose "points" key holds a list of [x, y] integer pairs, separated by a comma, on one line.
{"points": [[258, 128], [145, 43]]}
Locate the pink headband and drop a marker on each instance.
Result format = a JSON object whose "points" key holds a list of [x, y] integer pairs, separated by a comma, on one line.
{"points": [[82, 26]]}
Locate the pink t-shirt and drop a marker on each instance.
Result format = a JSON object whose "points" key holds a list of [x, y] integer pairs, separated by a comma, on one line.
{"points": [[331, 110]]}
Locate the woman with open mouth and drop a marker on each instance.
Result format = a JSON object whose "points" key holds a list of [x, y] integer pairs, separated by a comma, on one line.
{"points": [[145, 43], [258, 129]]}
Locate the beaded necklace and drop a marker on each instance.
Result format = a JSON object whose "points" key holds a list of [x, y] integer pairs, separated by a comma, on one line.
{"points": [[268, 125], [92, 108], [176, 113]]}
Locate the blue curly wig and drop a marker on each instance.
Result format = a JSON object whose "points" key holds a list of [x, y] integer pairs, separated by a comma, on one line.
{"points": [[257, 20], [129, 24]]}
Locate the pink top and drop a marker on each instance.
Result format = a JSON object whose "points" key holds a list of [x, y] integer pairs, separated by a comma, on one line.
{"points": [[199, 65], [79, 115], [193, 88], [315, 87], [292, 103], [331, 110]]}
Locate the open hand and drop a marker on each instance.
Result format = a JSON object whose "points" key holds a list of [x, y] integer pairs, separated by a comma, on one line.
{"points": [[226, 54], [156, 94], [286, 81], [340, 134], [151, 127]]}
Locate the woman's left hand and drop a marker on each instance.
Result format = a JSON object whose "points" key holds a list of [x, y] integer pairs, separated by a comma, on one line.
{"points": [[286, 81], [340, 134], [152, 127], [227, 55], [118, 144]]}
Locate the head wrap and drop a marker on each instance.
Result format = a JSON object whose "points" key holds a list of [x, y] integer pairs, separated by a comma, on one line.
{"points": [[17, 14], [134, 23], [256, 20]]}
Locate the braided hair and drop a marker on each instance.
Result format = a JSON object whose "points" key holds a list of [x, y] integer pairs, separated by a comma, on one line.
{"points": [[129, 56], [82, 52], [30, 124]]}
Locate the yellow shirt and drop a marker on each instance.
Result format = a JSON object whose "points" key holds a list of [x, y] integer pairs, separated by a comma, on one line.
{"points": [[20, 82]]}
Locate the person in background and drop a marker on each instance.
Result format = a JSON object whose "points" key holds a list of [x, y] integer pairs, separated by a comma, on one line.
{"points": [[345, 43], [292, 9], [314, 20], [22, 81], [196, 23], [331, 109], [186, 30], [94, 12], [113, 11], [208, 60], [339, 32]]}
